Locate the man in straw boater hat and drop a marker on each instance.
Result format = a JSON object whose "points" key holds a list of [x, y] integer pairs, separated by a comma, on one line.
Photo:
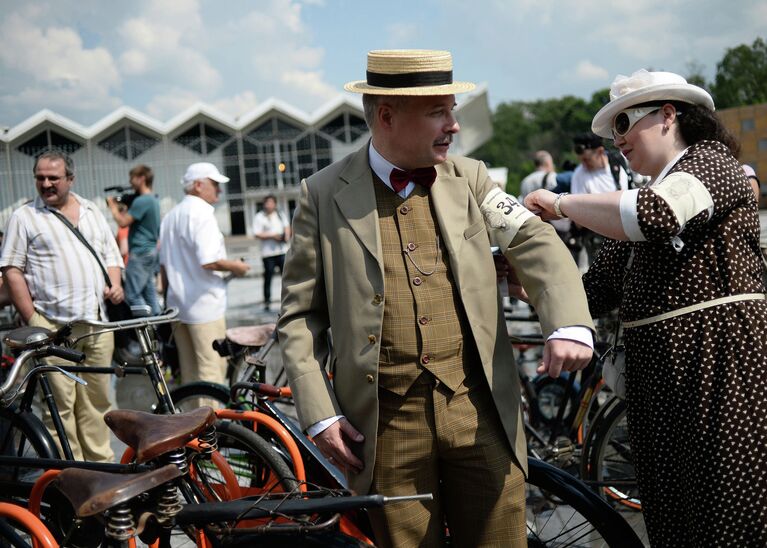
{"points": [[391, 251]]}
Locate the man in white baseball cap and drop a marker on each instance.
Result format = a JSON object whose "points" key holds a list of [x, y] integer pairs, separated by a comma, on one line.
{"points": [[193, 258]]}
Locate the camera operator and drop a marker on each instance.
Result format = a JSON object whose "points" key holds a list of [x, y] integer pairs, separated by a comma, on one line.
{"points": [[273, 230], [143, 218]]}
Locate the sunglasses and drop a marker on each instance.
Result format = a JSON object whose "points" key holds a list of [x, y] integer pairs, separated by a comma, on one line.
{"points": [[625, 120]]}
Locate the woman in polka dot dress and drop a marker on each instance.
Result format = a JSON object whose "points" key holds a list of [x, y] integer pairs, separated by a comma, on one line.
{"points": [[683, 265]]}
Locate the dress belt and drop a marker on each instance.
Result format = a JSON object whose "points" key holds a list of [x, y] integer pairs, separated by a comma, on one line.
{"points": [[695, 307]]}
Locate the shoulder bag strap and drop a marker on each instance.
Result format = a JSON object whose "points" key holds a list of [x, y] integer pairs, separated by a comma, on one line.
{"points": [[82, 239]]}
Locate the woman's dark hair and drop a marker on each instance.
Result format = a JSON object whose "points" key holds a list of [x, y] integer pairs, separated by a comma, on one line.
{"points": [[697, 123]]}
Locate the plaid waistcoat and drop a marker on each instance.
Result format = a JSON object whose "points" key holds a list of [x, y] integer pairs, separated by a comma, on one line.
{"points": [[424, 325]]}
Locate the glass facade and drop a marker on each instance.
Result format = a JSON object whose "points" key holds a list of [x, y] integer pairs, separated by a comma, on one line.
{"points": [[270, 155], [269, 151]]}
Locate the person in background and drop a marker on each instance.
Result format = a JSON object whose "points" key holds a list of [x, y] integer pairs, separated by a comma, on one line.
{"points": [[273, 231], [544, 175], [193, 260], [755, 186], [593, 175], [753, 180], [391, 251], [143, 222], [54, 279], [683, 264]]}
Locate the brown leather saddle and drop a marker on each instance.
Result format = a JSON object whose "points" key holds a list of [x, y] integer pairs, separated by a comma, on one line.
{"points": [[152, 435], [91, 492]]}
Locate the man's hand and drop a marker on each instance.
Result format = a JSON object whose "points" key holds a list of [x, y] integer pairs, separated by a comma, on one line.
{"points": [[541, 202], [564, 355], [333, 442], [239, 268], [111, 202], [114, 294]]}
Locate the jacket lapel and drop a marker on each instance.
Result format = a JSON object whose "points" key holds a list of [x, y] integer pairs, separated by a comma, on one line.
{"points": [[450, 197], [357, 202]]}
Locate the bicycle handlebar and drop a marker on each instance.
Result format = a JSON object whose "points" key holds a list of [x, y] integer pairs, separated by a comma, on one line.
{"points": [[24, 357], [69, 354], [170, 315]]}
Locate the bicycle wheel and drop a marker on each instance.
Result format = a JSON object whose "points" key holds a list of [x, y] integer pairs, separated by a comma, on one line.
{"points": [[20, 529], [610, 461], [187, 396], [550, 395], [22, 435], [581, 519], [256, 465]]}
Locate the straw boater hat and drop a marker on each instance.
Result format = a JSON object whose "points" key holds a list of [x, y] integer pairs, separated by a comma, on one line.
{"points": [[409, 72], [646, 87]]}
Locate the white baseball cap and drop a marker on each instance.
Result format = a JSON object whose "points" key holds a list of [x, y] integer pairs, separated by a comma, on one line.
{"points": [[203, 170]]}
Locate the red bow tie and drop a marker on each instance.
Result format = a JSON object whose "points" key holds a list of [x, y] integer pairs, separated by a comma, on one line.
{"points": [[423, 176]]}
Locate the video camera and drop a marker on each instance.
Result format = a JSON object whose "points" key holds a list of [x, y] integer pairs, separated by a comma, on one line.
{"points": [[126, 194]]}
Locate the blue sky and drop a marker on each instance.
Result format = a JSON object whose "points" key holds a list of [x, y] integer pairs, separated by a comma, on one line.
{"points": [[85, 58]]}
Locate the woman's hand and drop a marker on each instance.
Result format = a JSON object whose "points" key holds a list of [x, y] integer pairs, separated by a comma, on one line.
{"points": [[541, 202]]}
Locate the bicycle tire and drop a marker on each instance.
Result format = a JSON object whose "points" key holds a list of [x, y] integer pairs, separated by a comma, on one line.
{"points": [[22, 434], [257, 466], [610, 458], [549, 395], [582, 516], [190, 393]]}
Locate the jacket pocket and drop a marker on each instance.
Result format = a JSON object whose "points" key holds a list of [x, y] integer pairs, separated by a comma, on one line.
{"points": [[473, 230]]}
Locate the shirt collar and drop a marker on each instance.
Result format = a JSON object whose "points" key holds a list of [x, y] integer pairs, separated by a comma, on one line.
{"points": [[40, 204], [198, 201], [380, 165]]}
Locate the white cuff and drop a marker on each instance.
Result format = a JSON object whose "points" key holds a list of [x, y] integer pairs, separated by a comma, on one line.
{"points": [[629, 219], [322, 425], [576, 333]]}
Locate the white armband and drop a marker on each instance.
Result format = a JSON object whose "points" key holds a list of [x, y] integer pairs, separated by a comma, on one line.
{"points": [[686, 195], [629, 220], [504, 216]]}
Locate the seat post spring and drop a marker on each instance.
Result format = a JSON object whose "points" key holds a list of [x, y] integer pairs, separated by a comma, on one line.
{"points": [[208, 441], [178, 458], [120, 523], [168, 505]]}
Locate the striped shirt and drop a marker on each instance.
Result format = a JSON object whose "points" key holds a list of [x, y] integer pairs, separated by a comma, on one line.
{"points": [[64, 278]]}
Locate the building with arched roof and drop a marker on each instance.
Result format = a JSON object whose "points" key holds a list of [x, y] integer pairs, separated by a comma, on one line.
{"points": [[267, 151]]}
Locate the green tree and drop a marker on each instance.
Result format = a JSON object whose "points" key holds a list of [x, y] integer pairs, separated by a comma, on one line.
{"points": [[741, 76], [521, 128]]}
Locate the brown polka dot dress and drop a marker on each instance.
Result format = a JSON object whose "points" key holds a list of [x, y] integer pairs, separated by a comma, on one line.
{"points": [[697, 383]]}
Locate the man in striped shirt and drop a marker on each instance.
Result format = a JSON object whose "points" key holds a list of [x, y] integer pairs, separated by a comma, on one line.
{"points": [[54, 279]]}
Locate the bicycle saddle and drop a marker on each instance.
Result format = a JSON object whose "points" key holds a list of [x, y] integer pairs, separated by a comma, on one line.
{"points": [[250, 335], [152, 435], [28, 336], [91, 492]]}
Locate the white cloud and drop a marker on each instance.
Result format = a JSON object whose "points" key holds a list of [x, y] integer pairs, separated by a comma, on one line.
{"points": [[310, 83], [166, 105], [56, 69], [401, 33], [167, 41], [586, 70], [236, 105]]}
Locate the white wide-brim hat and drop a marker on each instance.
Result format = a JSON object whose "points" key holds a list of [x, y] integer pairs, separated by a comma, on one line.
{"points": [[644, 87], [409, 72]]}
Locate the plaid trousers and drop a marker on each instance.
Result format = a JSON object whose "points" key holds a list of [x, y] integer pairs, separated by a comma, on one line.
{"points": [[450, 444]]}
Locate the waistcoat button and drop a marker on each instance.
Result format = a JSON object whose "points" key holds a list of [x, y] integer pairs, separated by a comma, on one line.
{"points": [[417, 280], [370, 379]]}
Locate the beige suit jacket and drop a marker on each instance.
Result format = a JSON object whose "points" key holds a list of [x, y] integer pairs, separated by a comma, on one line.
{"points": [[334, 277]]}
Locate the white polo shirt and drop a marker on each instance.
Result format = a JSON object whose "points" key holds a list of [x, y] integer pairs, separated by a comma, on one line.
{"points": [[190, 238]]}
